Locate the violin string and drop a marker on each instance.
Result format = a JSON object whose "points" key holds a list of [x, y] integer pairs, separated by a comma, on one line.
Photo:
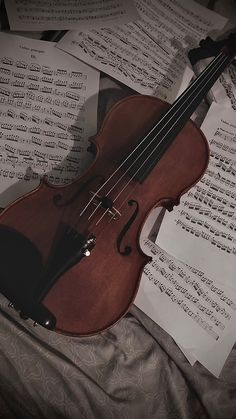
{"points": [[148, 158], [153, 151], [172, 127], [218, 58], [95, 210], [125, 200], [158, 145]]}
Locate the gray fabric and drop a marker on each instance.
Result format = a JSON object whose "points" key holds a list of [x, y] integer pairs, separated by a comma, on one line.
{"points": [[134, 370]]}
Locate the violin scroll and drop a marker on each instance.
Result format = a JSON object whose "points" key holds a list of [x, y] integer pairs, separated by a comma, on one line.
{"points": [[210, 48]]}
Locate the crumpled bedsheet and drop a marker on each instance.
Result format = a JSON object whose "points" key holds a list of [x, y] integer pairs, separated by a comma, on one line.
{"points": [[134, 370]]}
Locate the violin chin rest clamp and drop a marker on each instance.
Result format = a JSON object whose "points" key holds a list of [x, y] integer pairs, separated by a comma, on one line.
{"points": [[40, 315]]}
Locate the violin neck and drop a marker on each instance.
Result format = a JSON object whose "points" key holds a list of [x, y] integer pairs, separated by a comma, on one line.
{"points": [[195, 93], [157, 141]]}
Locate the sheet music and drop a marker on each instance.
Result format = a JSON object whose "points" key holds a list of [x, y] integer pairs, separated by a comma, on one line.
{"points": [[197, 312], [201, 231], [68, 14], [48, 106], [149, 55], [188, 354], [224, 90]]}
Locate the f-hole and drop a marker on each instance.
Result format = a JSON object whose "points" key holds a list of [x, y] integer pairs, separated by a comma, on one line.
{"points": [[127, 249]]}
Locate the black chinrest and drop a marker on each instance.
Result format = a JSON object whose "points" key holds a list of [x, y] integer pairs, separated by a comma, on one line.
{"points": [[21, 271]]}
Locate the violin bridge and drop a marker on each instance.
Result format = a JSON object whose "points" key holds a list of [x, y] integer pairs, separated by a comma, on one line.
{"points": [[106, 203], [114, 213]]}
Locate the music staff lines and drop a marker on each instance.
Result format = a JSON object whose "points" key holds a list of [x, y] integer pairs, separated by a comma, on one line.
{"points": [[203, 223], [30, 122], [36, 143], [199, 233], [136, 73], [71, 140], [28, 93], [210, 198], [36, 68], [27, 177], [208, 283], [224, 168], [217, 188], [181, 303], [221, 179], [193, 299], [49, 103], [28, 116], [215, 289], [229, 89], [225, 137], [41, 166], [30, 153], [74, 132], [222, 159], [208, 213]]}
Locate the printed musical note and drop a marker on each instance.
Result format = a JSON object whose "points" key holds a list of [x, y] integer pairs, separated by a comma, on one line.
{"points": [[41, 108], [57, 14], [148, 55], [208, 209], [196, 311], [224, 90]]}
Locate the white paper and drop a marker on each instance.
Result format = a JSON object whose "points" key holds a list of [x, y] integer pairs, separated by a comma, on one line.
{"points": [[149, 55], [224, 89], [201, 231], [68, 14], [198, 313], [48, 107], [188, 354]]}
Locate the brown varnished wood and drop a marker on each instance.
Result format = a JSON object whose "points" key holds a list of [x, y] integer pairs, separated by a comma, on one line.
{"points": [[98, 291]]}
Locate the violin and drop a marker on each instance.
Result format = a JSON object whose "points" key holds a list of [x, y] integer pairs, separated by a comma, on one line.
{"points": [[70, 255]]}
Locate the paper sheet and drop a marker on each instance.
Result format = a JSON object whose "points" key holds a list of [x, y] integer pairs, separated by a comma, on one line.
{"points": [[149, 55], [68, 14], [188, 354], [48, 107], [224, 90], [197, 312], [201, 231]]}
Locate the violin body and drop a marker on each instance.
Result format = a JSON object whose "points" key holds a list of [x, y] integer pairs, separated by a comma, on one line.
{"points": [[97, 291]]}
